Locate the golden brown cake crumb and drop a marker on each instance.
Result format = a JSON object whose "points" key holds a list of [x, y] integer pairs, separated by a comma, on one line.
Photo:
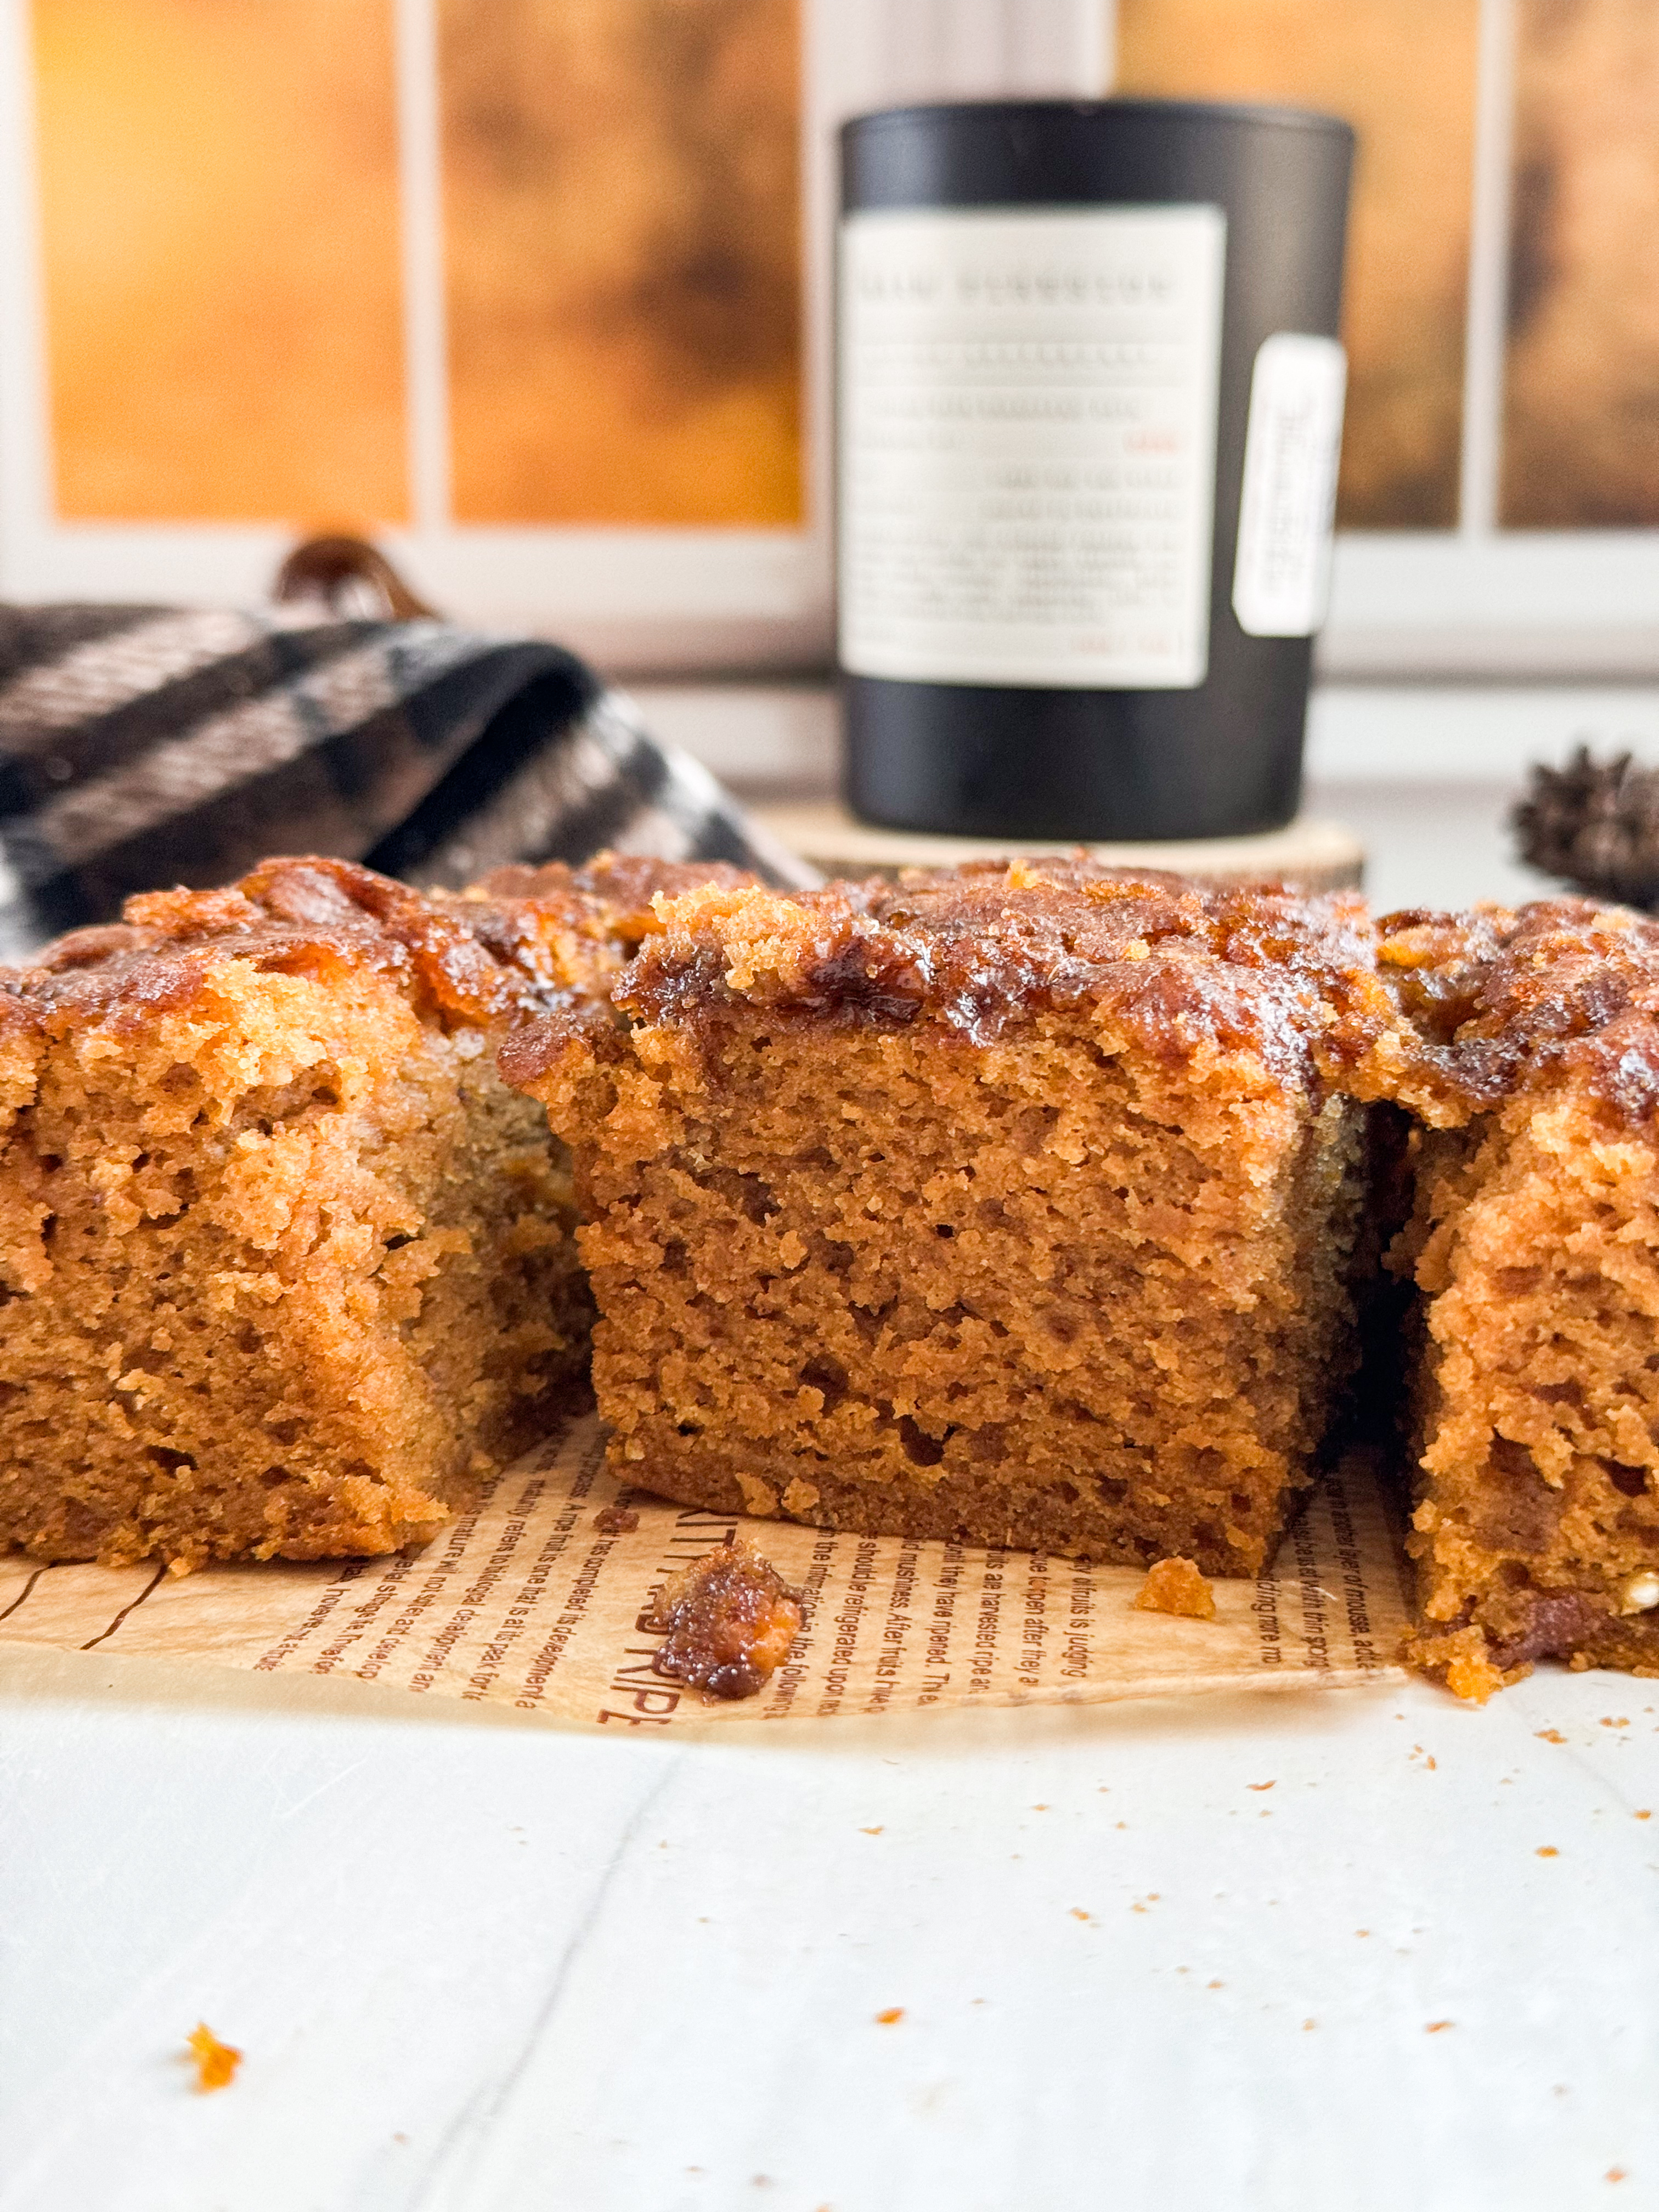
{"points": [[729, 1619], [215, 2061], [1461, 1659], [285, 1267], [1176, 1586], [615, 1520], [1010, 1205]]}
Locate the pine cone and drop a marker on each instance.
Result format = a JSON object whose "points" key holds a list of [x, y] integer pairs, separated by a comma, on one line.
{"points": [[1596, 825]]}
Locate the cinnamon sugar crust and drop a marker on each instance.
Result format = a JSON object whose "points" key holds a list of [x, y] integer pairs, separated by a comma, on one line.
{"points": [[1532, 1068], [978, 949], [284, 1265], [1502, 1002], [614, 893]]}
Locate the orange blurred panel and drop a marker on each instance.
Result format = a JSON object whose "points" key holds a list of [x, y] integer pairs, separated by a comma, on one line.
{"points": [[1581, 443], [219, 201], [1403, 73], [623, 232]]}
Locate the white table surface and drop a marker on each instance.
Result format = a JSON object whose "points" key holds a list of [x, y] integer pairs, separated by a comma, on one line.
{"points": [[478, 1965]]}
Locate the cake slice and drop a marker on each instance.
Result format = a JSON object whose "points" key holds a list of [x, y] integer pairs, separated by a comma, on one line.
{"points": [[1014, 1206], [1533, 1251], [284, 1265]]}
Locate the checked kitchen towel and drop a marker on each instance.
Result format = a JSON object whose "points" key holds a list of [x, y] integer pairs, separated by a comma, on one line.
{"points": [[142, 747]]}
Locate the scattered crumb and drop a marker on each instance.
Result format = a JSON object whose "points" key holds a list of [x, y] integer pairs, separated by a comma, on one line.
{"points": [[1362, 1931], [1644, 1814], [1438, 2027], [1549, 1736], [870, 1832], [215, 2061], [1123, 1824], [1078, 1913], [729, 1619], [890, 2018], [1473, 1678], [615, 1520], [1306, 2023], [1175, 1586], [1258, 1786], [1039, 1808], [1608, 1720], [1547, 1851], [1615, 2173], [400, 2138], [1215, 1985]]}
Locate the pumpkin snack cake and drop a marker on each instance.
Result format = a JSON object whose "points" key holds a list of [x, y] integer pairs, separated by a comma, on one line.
{"points": [[1015, 1205], [1534, 1252], [284, 1265]]}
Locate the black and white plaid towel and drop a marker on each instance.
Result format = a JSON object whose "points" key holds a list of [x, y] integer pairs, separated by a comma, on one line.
{"points": [[142, 747]]}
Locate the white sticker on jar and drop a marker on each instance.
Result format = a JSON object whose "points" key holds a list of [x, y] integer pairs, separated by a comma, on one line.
{"points": [[1287, 508], [1028, 422]]}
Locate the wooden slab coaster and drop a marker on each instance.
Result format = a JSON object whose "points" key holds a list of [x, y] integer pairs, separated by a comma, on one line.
{"points": [[1307, 855]]}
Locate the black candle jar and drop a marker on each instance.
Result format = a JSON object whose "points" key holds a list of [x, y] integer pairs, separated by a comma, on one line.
{"points": [[1090, 407]]}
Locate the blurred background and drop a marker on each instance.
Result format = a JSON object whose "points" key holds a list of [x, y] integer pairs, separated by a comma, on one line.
{"points": [[537, 293]]}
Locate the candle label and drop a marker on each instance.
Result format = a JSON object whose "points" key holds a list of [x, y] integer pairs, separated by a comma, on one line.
{"points": [[1282, 578], [1027, 454]]}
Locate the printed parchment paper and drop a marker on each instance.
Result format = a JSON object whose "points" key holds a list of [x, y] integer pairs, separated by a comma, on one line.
{"points": [[526, 1602]]}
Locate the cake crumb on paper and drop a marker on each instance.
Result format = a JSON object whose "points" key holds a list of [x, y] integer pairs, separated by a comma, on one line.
{"points": [[891, 2017], [1175, 1586], [729, 1620], [615, 1520], [215, 2061]]}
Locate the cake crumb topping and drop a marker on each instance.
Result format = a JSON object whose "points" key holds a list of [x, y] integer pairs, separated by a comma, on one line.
{"points": [[215, 2061], [1175, 1586], [729, 1620]]}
